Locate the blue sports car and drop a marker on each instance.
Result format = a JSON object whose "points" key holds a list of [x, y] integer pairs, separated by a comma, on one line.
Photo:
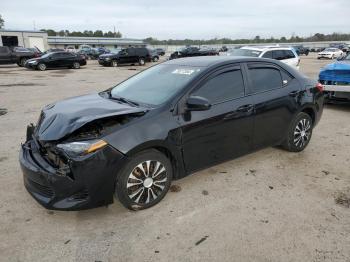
{"points": [[336, 80]]}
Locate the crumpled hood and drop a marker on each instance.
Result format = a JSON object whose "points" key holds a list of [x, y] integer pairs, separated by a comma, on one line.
{"points": [[64, 117]]}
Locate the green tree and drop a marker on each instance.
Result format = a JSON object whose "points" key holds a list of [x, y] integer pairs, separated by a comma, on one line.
{"points": [[2, 21]]}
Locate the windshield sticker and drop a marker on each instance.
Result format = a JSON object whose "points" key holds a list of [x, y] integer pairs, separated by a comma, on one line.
{"points": [[184, 71]]}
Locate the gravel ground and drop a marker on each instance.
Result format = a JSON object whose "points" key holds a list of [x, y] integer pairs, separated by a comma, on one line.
{"points": [[267, 206]]}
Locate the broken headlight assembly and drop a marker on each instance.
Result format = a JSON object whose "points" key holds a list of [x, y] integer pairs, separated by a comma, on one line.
{"points": [[81, 148]]}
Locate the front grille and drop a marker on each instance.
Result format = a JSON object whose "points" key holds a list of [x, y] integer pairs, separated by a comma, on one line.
{"points": [[41, 189]]}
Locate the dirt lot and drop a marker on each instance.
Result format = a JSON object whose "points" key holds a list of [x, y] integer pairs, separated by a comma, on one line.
{"points": [[268, 206]]}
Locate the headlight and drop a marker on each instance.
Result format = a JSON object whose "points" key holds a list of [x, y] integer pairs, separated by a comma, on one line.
{"points": [[82, 148], [33, 62], [107, 59]]}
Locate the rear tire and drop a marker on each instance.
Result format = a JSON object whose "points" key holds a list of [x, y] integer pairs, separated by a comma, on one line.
{"points": [[41, 66], [155, 59], [144, 180], [299, 133], [22, 62]]}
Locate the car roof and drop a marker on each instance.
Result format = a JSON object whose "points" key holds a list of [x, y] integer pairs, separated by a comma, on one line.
{"points": [[265, 48], [209, 61]]}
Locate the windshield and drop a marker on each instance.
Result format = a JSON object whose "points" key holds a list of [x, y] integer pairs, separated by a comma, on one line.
{"points": [[244, 52], [46, 55], [155, 85]]}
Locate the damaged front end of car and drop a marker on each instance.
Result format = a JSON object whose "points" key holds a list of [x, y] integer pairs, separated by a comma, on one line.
{"points": [[77, 169]]}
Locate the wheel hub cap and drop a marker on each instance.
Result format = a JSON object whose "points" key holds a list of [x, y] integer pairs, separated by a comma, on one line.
{"points": [[302, 132], [148, 182]]}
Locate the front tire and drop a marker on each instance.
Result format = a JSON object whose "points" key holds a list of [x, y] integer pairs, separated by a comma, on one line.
{"points": [[299, 133], [145, 180], [114, 63], [42, 67], [155, 59], [76, 65], [142, 62]]}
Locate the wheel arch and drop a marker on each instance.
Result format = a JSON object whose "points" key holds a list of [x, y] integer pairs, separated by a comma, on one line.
{"points": [[172, 152], [310, 110]]}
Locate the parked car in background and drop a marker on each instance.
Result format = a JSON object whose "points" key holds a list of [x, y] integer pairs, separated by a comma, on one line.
{"points": [[52, 50], [71, 49], [223, 49], [330, 53], [160, 51], [162, 124], [342, 46], [154, 55], [56, 60], [286, 55], [132, 55], [336, 80], [301, 50], [17, 55], [192, 51]]}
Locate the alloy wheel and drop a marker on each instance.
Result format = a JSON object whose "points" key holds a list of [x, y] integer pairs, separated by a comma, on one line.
{"points": [[146, 182], [76, 65], [302, 133]]}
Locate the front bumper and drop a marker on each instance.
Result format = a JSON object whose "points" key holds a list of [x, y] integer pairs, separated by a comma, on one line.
{"points": [[105, 62], [30, 65], [88, 182]]}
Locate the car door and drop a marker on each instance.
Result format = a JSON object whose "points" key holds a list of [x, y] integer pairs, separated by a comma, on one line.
{"points": [[226, 129], [5, 55], [53, 60], [123, 56], [276, 95]]}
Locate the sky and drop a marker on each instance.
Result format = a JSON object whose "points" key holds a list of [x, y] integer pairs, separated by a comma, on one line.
{"points": [[179, 19]]}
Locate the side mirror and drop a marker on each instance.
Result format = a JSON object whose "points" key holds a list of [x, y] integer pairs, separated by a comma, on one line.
{"points": [[197, 103]]}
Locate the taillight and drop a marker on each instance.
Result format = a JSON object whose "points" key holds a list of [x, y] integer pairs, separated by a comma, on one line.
{"points": [[319, 87]]}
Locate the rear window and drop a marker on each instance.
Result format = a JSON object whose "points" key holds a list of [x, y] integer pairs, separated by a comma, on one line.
{"points": [[245, 52], [264, 79]]}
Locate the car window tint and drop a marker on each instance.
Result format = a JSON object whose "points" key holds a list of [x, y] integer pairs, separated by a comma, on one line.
{"points": [[278, 55], [288, 54], [268, 54], [3, 49], [225, 86], [264, 78]]}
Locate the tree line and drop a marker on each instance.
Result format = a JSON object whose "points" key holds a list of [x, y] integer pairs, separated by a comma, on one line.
{"points": [[87, 33], [256, 40]]}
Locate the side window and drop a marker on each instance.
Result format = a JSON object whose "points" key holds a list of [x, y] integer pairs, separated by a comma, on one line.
{"points": [[278, 55], [3, 50], [268, 54], [264, 78], [289, 54], [225, 86]]}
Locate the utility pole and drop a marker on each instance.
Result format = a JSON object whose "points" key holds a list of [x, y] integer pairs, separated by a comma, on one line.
{"points": [[114, 30]]}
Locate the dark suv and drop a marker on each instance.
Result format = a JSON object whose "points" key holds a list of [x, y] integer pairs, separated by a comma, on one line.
{"points": [[17, 55], [132, 55]]}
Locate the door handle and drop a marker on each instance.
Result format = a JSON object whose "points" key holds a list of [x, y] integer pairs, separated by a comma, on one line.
{"points": [[245, 108]]}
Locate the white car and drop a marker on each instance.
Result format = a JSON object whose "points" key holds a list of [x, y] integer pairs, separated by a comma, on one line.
{"points": [[330, 53], [286, 55]]}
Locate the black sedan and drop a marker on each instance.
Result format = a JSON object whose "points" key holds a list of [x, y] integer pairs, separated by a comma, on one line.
{"points": [[162, 124], [56, 60]]}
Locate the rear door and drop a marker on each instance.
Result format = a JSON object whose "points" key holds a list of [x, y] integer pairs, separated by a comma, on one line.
{"points": [[226, 129], [276, 95]]}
